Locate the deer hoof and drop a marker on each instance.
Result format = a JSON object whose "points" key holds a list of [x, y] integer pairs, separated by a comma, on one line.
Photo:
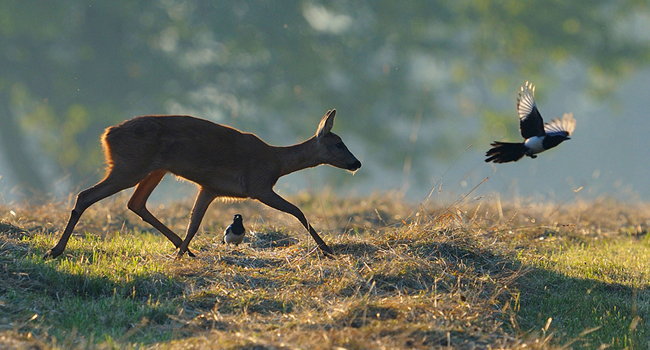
{"points": [[52, 253], [327, 251]]}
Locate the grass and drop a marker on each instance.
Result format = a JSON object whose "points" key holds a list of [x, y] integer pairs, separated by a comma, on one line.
{"points": [[481, 274], [602, 285]]}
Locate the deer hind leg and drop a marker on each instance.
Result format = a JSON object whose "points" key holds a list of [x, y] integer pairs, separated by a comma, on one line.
{"points": [[275, 201], [203, 200], [112, 183], [138, 203]]}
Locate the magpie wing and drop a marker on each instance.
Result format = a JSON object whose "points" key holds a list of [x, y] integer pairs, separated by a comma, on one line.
{"points": [[530, 121], [564, 126]]}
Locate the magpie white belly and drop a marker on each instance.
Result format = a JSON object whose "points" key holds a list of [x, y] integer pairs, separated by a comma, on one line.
{"points": [[534, 144], [231, 238]]}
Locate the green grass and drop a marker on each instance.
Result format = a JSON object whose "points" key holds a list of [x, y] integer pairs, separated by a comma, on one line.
{"points": [[405, 276], [601, 286]]}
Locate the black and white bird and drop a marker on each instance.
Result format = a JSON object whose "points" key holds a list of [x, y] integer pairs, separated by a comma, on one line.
{"points": [[234, 233], [538, 137]]}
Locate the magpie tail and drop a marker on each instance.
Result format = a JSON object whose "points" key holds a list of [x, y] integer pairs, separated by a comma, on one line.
{"points": [[503, 152]]}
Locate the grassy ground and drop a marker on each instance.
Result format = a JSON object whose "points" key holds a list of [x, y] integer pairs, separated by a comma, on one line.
{"points": [[481, 274]]}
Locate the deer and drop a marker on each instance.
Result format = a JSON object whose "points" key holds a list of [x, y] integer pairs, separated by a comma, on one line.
{"points": [[221, 160]]}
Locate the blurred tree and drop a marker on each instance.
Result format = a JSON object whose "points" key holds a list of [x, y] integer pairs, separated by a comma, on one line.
{"points": [[69, 68]]}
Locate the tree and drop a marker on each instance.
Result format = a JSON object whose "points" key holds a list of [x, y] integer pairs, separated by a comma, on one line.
{"points": [[394, 68]]}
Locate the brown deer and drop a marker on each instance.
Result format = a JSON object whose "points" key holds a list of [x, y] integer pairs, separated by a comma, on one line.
{"points": [[222, 161]]}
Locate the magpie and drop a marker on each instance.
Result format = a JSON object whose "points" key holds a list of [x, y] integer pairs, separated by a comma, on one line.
{"points": [[538, 137], [234, 233]]}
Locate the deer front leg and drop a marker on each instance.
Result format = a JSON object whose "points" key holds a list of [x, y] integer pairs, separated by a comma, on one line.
{"points": [[274, 200], [203, 200]]}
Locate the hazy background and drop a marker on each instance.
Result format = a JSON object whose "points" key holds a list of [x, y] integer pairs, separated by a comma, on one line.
{"points": [[421, 88]]}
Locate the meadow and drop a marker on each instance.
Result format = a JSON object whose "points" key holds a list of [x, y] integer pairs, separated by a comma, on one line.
{"points": [[478, 273]]}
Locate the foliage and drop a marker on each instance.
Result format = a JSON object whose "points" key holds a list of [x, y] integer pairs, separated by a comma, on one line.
{"points": [[69, 69]]}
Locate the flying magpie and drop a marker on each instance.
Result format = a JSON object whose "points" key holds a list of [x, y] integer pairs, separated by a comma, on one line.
{"points": [[234, 233], [538, 136]]}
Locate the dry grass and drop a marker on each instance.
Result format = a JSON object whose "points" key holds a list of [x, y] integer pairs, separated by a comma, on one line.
{"points": [[406, 276]]}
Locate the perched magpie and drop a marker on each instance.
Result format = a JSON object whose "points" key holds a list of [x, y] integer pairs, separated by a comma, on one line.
{"points": [[234, 233], [538, 136]]}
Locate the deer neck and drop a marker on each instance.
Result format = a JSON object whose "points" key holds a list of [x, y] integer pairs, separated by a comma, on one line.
{"points": [[298, 157]]}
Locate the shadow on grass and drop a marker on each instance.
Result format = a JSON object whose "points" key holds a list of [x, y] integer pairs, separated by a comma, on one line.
{"points": [[104, 309], [96, 308], [584, 313], [271, 239], [250, 262], [577, 306], [33, 274], [356, 249]]}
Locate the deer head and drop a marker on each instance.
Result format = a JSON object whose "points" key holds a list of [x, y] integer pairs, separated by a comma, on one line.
{"points": [[331, 149]]}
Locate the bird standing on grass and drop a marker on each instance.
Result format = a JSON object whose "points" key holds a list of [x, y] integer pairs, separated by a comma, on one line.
{"points": [[234, 233], [538, 136]]}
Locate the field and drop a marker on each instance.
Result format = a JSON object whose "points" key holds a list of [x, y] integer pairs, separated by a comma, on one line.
{"points": [[475, 274]]}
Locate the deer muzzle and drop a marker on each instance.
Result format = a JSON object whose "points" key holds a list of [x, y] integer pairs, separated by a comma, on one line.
{"points": [[354, 166]]}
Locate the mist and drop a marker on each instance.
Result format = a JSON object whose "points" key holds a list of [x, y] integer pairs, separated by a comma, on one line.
{"points": [[420, 88]]}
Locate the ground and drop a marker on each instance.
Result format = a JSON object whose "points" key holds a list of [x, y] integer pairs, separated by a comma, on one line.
{"points": [[474, 274]]}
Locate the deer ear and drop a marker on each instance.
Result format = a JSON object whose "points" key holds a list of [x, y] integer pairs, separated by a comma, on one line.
{"points": [[326, 123]]}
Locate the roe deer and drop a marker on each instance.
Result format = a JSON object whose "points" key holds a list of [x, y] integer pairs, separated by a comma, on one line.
{"points": [[222, 161]]}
